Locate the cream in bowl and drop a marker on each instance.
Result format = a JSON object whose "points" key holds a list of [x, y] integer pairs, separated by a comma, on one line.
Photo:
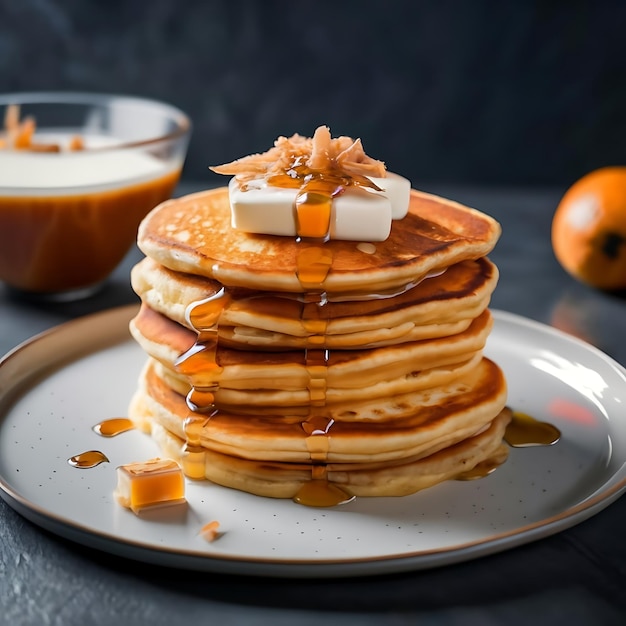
{"points": [[78, 172]]}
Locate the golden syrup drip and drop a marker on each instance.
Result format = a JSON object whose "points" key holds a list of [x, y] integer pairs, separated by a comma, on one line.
{"points": [[202, 399], [314, 261], [114, 426], [525, 431], [317, 425], [200, 363], [193, 426], [204, 315], [297, 175], [313, 213], [312, 266], [316, 362], [193, 453], [318, 492], [314, 320], [87, 460], [316, 190], [193, 463], [321, 493], [317, 430]]}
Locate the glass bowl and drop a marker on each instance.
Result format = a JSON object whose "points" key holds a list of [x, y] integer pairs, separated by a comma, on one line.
{"points": [[72, 194]]}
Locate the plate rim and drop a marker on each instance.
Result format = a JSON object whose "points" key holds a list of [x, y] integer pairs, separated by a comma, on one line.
{"points": [[111, 543]]}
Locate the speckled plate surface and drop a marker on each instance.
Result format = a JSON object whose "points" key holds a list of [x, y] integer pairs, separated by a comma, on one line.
{"points": [[57, 386]]}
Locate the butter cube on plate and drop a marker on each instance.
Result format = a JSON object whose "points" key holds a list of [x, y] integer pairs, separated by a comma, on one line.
{"points": [[152, 483], [357, 214]]}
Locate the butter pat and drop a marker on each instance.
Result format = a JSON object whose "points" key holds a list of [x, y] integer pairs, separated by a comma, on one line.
{"points": [[398, 190], [152, 483], [357, 214]]}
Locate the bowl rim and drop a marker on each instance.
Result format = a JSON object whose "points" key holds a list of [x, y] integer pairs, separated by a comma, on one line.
{"points": [[92, 98]]}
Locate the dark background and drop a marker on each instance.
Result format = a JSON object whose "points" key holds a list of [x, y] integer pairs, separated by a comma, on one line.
{"points": [[443, 91]]}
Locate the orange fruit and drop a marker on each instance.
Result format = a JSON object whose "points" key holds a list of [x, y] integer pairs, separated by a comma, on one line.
{"points": [[589, 229]]}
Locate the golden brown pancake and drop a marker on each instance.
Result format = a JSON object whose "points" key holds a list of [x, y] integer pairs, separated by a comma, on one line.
{"points": [[438, 306], [249, 400], [285, 480], [348, 374], [283, 437], [193, 234], [274, 456]]}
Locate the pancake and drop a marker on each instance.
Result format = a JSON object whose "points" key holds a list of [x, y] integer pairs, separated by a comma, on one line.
{"points": [[415, 467], [438, 306], [347, 374], [434, 386], [291, 399], [286, 480], [280, 437], [193, 234]]}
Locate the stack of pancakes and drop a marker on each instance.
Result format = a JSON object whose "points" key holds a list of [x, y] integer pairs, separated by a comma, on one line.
{"points": [[276, 365]]}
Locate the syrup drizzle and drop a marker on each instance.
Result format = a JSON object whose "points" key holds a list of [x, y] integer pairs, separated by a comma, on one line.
{"points": [[316, 191], [200, 364], [313, 263]]}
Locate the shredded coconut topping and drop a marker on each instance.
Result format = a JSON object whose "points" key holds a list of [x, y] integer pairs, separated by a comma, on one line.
{"points": [[320, 153]]}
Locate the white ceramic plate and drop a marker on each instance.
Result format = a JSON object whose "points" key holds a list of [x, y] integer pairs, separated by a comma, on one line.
{"points": [[56, 387]]}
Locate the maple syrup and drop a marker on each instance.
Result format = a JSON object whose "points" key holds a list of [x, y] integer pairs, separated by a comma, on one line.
{"points": [[316, 191], [321, 493], [194, 454], [313, 210], [114, 426], [525, 431], [200, 361], [201, 367], [313, 263], [522, 431], [313, 214], [87, 460], [317, 428], [107, 428]]}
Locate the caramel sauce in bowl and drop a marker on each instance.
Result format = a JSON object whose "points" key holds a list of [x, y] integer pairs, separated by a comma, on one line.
{"points": [[69, 216]]}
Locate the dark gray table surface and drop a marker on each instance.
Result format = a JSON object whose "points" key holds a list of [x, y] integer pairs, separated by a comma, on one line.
{"points": [[575, 577]]}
